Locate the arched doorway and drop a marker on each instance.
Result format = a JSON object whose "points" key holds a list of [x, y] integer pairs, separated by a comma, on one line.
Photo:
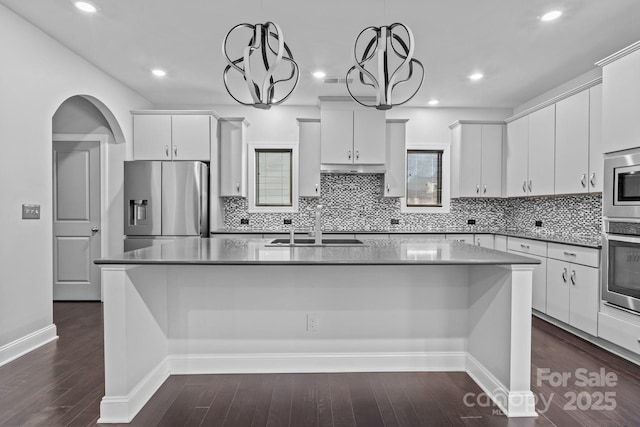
{"points": [[85, 149]]}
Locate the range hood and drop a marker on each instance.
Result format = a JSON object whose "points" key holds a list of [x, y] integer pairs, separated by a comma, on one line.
{"points": [[352, 169]]}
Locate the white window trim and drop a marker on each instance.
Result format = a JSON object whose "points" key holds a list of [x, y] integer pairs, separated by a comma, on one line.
{"points": [[446, 179], [253, 146]]}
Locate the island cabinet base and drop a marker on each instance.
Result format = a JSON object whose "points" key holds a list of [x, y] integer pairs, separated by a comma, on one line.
{"points": [[162, 320]]}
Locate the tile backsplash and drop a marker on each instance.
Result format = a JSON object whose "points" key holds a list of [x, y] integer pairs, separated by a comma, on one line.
{"points": [[354, 202]]}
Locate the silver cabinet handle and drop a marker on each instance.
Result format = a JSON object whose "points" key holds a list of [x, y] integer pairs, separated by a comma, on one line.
{"points": [[238, 187], [349, 154], [570, 253], [95, 229], [388, 188], [564, 274], [166, 150], [484, 191], [573, 277], [592, 180], [583, 180], [524, 246], [316, 188], [478, 242], [477, 189], [524, 186], [175, 150], [530, 185], [357, 154]]}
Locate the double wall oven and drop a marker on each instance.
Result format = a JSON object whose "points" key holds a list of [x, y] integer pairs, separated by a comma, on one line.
{"points": [[621, 245]]}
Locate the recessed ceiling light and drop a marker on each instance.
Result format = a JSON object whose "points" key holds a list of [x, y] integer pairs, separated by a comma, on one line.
{"points": [[550, 16], [476, 76], [86, 6], [319, 74], [433, 102], [158, 72]]}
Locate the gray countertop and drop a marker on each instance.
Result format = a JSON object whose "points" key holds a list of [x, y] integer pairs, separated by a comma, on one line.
{"points": [[585, 240], [252, 251]]}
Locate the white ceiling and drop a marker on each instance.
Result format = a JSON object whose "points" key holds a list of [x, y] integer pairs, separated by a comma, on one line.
{"points": [[520, 56]]}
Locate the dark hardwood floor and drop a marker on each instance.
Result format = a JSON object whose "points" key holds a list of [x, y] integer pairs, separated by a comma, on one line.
{"points": [[61, 384]]}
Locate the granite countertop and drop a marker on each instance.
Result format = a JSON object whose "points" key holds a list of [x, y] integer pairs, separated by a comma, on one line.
{"points": [[585, 240], [252, 251]]}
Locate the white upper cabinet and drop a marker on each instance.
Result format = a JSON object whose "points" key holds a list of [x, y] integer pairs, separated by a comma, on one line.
{"points": [[572, 144], [621, 99], [172, 136], [394, 177], [516, 154], [352, 137], [542, 127], [309, 152], [596, 154], [233, 157], [477, 159]]}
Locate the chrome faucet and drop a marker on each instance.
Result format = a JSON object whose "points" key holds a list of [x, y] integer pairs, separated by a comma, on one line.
{"points": [[318, 227]]}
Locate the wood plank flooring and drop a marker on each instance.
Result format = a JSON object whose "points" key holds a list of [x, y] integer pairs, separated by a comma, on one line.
{"points": [[61, 384]]}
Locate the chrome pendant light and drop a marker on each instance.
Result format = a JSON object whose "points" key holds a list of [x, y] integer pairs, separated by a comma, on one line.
{"points": [[374, 66], [267, 49]]}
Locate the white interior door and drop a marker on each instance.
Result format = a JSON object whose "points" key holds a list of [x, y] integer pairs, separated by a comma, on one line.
{"points": [[76, 220]]}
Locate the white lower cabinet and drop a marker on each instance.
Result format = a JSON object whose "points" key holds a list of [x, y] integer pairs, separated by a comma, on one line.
{"points": [[484, 240], [558, 290]]}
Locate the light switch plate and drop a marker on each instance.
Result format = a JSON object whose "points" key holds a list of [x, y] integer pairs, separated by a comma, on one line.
{"points": [[30, 211]]}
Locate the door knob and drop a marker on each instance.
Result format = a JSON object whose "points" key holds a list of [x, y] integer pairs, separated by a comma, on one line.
{"points": [[95, 229]]}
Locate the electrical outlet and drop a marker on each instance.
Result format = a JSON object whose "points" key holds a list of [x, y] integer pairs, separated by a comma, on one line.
{"points": [[395, 221], [471, 222], [244, 221], [312, 323], [30, 211], [287, 221], [538, 223]]}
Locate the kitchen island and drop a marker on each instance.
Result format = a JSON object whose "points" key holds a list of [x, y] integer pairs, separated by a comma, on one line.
{"points": [[237, 305]]}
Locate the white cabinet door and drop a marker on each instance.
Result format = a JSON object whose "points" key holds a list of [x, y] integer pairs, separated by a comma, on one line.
{"points": [[621, 103], [152, 137], [584, 298], [233, 158], [336, 136], [596, 158], [542, 128], [516, 157], [572, 144], [491, 185], [500, 243], [369, 137], [484, 240], [394, 177], [470, 157], [191, 137], [309, 163], [558, 289]]}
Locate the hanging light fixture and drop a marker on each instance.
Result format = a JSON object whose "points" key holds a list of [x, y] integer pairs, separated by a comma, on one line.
{"points": [[259, 66], [374, 67]]}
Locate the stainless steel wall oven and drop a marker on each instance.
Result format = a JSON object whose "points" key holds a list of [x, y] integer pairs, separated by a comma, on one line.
{"points": [[621, 262]]}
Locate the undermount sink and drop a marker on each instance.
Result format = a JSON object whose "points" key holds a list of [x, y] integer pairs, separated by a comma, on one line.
{"points": [[311, 242]]}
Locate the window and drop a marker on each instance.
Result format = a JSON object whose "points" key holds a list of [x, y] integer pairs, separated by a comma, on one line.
{"points": [[424, 178], [427, 179], [274, 180], [273, 177]]}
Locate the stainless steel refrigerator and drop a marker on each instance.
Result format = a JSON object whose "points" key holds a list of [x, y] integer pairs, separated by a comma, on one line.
{"points": [[164, 199]]}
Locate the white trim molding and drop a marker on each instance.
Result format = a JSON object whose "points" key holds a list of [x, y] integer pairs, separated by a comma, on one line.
{"points": [[28, 343], [619, 54]]}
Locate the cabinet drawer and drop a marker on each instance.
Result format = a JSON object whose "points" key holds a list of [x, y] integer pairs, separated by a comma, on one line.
{"points": [[527, 246], [464, 238], [620, 332], [574, 254]]}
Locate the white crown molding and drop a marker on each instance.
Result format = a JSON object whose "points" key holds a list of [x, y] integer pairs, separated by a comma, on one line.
{"points": [[619, 54], [308, 120], [176, 112], [476, 122], [555, 99], [235, 119]]}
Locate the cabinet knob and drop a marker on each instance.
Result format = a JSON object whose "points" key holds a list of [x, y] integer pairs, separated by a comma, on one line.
{"points": [[316, 188], [573, 277], [530, 185], [592, 180], [388, 188], [238, 187], [166, 150], [175, 150], [349, 154], [583, 180], [564, 274], [357, 154], [477, 189]]}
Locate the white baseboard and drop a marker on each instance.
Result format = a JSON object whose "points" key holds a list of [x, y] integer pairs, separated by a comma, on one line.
{"points": [[24, 345], [321, 362], [122, 409], [512, 404]]}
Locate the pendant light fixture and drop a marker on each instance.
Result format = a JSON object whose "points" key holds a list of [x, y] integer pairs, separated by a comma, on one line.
{"points": [[386, 63], [264, 58]]}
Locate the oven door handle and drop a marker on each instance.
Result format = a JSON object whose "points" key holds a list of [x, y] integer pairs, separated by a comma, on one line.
{"points": [[620, 238]]}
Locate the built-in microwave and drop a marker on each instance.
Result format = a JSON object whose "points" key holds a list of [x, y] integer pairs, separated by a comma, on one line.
{"points": [[621, 193], [621, 263]]}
